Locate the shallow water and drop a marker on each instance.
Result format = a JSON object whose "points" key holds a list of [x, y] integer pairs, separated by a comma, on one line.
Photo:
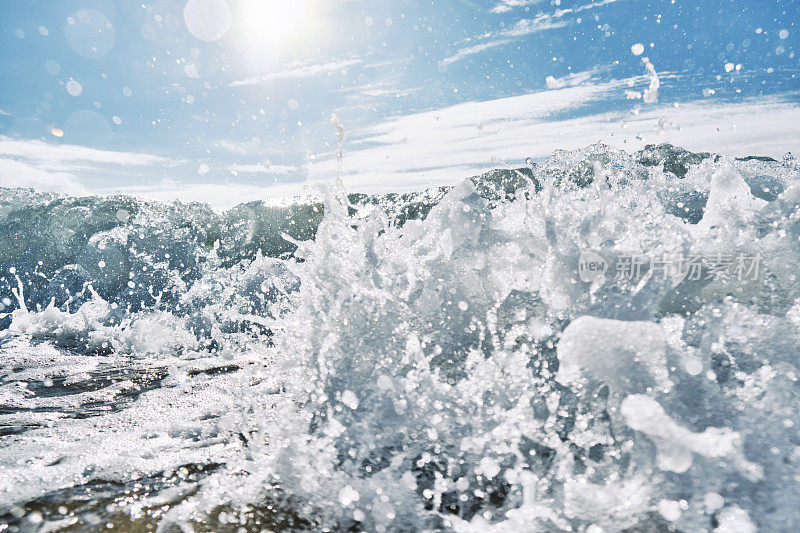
{"points": [[437, 361]]}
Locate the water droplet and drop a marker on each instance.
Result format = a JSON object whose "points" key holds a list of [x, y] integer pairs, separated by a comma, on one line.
{"points": [[208, 20], [713, 502], [52, 67], [670, 510], [350, 399], [74, 88], [190, 69], [348, 495], [89, 33]]}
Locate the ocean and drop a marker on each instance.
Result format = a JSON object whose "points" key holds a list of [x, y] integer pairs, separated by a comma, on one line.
{"points": [[599, 341]]}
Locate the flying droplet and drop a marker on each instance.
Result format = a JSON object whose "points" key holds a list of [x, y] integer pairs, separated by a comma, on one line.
{"points": [[208, 20], [89, 33], [349, 399], [670, 510], [74, 88], [348, 495], [637, 49], [52, 67]]}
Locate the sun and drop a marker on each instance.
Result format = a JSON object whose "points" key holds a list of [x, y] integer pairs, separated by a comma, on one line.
{"points": [[269, 24]]}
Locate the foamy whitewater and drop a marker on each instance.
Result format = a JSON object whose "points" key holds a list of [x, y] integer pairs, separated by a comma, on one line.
{"points": [[431, 361]]}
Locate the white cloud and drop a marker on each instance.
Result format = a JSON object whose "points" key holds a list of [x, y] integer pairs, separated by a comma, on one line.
{"points": [[520, 29], [586, 7], [507, 5], [229, 146], [388, 88], [523, 27], [470, 50], [445, 146], [297, 72], [40, 151], [220, 196], [365, 95], [58, 167], [263, 168], [15, 174], [4, 113], [545, 21], [450, 144], [572, 79]]}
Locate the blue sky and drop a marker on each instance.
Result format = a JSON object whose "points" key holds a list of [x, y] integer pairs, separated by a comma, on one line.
{"points": [[167, 96]]}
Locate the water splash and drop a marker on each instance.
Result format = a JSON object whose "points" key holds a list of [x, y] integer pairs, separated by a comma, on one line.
{"points": [[449, 371], [341, 136]]}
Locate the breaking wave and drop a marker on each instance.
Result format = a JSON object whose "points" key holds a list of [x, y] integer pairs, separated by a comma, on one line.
{"points": [[430, 361]]}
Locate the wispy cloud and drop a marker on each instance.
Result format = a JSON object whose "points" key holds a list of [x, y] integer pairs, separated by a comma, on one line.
{"points": [[529, 26], [585, 7], [61, 167], [230, 146], [545, 21], [4, 113], [40, 151], [384, 90], [297, 72], [262, 168], [523, 27], [507, 5], [447, 145], [574, 78], [520, 29], [388, 87], [472, 50], [218, 195]]}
